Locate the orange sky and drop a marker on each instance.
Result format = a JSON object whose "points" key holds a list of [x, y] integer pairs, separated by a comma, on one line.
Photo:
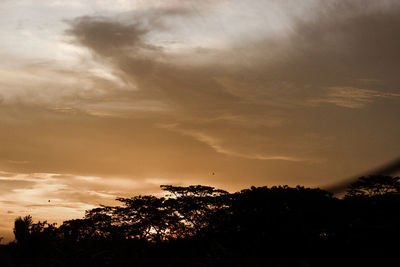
{"points": [[100, 99]]}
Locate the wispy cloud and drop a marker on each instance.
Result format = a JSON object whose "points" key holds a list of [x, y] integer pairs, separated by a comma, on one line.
{"points": [[217, 145], [351, 97], [18, 161]]}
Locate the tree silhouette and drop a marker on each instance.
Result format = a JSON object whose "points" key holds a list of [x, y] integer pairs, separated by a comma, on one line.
{"points": [[195, 205], [184, 213], [22, 229], [374, 185], [141, 217], [203, 226]]}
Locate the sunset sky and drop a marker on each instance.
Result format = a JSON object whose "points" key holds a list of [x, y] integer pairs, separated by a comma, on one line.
{"points": [[102, 98]]}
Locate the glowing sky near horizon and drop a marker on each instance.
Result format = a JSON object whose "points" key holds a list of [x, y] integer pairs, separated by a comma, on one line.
{"points": [[100, 99]]}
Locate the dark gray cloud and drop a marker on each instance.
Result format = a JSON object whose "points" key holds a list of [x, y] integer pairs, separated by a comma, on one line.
{"points": [[346, 43], [107, 37]]}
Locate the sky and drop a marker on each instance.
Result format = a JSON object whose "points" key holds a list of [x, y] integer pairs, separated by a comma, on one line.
{"points": [[103, 99]]}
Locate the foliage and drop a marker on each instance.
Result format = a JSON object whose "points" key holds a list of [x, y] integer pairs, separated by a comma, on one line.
{"points": [[22, 228], [203, 226], [374, 185]]}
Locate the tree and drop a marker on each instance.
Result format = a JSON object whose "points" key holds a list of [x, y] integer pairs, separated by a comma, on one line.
{"points": [[22, 228], [193, 191], [374, 185], [195, 205], [140, 217], [184, 212]]}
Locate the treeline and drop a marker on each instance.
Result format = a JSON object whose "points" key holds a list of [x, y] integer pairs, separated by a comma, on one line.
{"points": [[203, 226]]}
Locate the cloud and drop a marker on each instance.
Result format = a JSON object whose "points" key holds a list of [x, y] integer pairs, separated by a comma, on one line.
{"points": [[107, 37], [357, 39], [18, 161], [217, 145], [249, 98], [351, 97]]}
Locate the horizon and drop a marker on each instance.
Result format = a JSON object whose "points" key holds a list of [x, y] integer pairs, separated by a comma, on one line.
{"points": [[100, 100]]}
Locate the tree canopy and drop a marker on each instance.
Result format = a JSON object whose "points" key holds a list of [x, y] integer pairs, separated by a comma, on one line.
{"points": [[374, 185], [203, 226]]}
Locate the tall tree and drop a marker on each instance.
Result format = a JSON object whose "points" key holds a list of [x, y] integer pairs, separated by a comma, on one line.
{"points": [[22, 228]]}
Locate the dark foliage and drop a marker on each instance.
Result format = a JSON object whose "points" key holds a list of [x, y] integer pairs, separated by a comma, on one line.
{"points": [[374, 185], [204, 226]]}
